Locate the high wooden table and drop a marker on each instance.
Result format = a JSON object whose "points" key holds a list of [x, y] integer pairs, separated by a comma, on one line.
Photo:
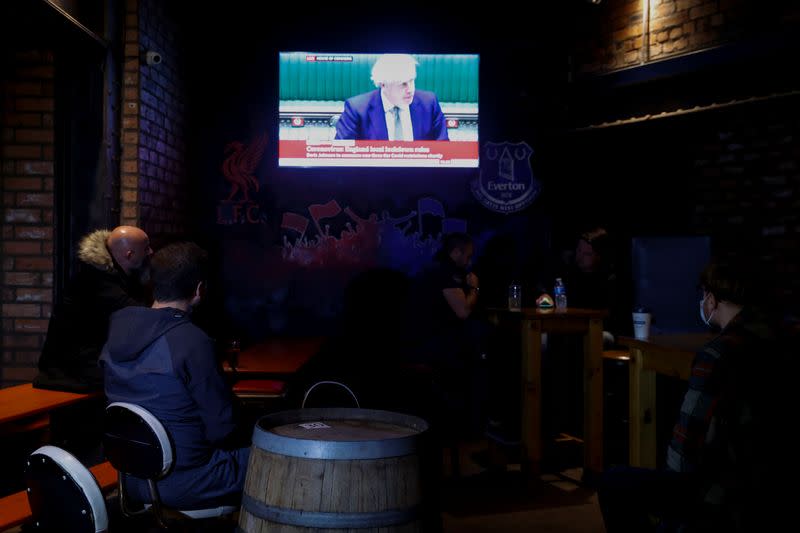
{"points": [[670, 355], [533, 322], [275, 358]]}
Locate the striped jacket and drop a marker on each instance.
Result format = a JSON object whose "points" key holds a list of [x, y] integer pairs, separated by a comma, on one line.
{"points": [[738, 391]]}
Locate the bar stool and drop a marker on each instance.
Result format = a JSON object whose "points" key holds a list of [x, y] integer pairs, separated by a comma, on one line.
{"points": [[63, 494], [137, 444]]}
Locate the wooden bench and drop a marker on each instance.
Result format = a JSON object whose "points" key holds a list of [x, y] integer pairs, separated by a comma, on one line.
{"points": [[15, 510], [24, 408]]}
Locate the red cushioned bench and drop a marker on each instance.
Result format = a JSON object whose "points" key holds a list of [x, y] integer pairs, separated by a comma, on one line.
{"points": [[262, 369]]}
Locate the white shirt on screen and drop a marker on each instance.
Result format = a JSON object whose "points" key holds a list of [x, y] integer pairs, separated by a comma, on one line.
{"points": [[405, 120]]}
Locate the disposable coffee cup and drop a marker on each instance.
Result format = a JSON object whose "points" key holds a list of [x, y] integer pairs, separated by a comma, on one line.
{"points": [[641, 325]]}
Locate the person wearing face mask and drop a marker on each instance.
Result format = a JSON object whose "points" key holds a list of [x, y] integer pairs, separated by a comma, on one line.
{"points": [[158, 359], [722, 307], [720, 467]]}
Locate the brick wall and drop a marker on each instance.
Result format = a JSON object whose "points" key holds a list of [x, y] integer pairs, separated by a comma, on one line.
{"points": [[153, 177], [746, 190], [27, 211], [130, 118], [613, 33], [154, 181], [731, 173]]}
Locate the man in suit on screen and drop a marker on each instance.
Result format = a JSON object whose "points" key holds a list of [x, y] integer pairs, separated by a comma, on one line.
{"points": [[395, 111]]}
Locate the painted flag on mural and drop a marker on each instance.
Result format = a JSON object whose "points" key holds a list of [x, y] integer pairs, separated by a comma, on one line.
{"points": [[430, 206], [298, 223], [454, 225], [320, 211]]}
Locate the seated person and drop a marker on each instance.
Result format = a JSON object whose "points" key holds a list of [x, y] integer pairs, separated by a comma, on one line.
{"points": [[112, 263], [591, 283], [157, 359], [722, 466]]}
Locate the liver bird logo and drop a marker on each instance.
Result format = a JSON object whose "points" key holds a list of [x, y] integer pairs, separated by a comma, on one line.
{"points": [[240, 164]]}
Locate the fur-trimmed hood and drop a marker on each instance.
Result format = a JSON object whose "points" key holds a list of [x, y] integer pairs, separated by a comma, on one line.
{"points": [[94, 252]]}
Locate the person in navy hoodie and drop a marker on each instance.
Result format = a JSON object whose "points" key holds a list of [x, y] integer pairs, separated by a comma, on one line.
{"points": [[157, 359]]}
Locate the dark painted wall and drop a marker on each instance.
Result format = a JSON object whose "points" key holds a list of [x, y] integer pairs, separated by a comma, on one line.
{"points": [[272, 281]]}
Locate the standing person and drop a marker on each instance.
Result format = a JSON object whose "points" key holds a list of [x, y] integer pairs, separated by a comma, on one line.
{"points": [[453, 341], [451, 291]]}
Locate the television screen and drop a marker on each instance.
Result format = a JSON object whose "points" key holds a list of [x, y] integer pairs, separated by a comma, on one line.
{"points": [[378, 110]]}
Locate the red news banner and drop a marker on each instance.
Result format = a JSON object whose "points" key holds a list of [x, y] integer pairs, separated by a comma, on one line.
{"points": [[422, 153]]}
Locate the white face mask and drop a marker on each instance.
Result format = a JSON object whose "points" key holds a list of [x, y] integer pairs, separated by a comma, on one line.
{"points": [[706, 320]]}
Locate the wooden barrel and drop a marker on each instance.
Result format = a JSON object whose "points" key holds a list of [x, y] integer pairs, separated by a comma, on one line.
{"points": [[334, 470]]}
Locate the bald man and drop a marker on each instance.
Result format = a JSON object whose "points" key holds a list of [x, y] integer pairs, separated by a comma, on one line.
{"points": [[111, 269]]}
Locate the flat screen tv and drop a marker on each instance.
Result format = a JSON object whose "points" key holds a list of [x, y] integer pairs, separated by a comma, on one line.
{"points": [[378, 110]]}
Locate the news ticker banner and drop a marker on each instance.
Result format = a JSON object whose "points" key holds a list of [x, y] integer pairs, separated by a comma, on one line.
{"points": [[350, 153]]}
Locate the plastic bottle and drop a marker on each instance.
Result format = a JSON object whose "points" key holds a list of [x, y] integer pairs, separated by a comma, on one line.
{"points": [[560, 294]]}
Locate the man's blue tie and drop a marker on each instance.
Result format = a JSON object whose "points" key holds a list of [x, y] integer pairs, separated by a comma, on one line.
{"points": [[398, 126]]}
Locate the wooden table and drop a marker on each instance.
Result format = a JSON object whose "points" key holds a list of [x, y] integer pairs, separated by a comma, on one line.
{"points": [[279, 357], [23, 408], [533, 323], [670, 355]]}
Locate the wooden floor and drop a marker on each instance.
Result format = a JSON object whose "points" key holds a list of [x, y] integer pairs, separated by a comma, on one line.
{"points": [[484, 500], [490, 501]]}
